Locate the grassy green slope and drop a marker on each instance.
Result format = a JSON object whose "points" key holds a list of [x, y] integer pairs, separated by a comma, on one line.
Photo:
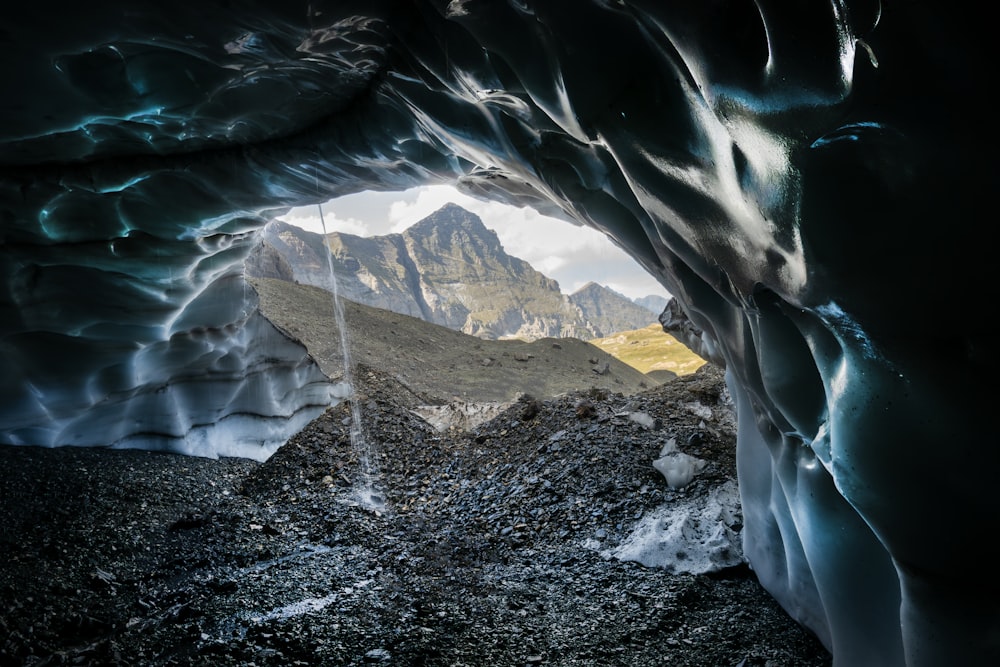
{"points": [[650, 349]]}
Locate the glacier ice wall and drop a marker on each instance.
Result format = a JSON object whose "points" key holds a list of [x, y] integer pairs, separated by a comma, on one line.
{"points": [[810, 179], [138, 341]]}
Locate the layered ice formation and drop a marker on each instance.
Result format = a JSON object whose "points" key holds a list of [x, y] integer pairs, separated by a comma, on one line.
{"points": [[812, 179]]}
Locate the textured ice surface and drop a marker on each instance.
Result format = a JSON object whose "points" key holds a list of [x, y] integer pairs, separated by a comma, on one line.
{"points": [[694, 536], [459, 415], [678, 468], [812, 180], [216, 379]]}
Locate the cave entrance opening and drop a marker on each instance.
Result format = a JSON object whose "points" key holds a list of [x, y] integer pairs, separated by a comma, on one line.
{"points": [[573, 255]]}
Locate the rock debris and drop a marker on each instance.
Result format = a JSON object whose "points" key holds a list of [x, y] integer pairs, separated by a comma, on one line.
{"points": [[494, 548]]}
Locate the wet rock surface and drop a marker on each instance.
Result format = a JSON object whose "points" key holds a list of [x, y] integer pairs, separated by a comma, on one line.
{"points": [[493, 548]]}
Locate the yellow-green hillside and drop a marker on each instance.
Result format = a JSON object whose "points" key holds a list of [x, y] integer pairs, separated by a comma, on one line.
{"points": [[650, 349]]}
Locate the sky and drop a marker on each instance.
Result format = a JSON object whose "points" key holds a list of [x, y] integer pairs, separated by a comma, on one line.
{"points": [[571, 255]]}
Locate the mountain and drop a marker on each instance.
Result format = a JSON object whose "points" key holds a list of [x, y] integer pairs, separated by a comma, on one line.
{"points": [[267, 262], [448, 269], [608, 311], [653, 303]]}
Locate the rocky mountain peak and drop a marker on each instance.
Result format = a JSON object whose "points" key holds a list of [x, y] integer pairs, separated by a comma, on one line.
{"points": [[609, 311], [593, 288], [451, 226], [451, 215], [450, 269]]}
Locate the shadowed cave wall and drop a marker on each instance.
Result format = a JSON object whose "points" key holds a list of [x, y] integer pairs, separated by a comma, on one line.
{"points": [[809, 180]]}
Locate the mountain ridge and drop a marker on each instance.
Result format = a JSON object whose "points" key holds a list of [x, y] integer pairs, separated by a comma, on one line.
{"points": [[448, 269]]}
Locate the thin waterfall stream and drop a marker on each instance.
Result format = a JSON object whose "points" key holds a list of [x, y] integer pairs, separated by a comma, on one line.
{"points": [[366, 492]]}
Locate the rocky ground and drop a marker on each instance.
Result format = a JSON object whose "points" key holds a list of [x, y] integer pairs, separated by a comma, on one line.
{"points": [[494, 547]]}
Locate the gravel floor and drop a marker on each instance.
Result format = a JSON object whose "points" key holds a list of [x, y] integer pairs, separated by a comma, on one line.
{"points": [[493, 548]]}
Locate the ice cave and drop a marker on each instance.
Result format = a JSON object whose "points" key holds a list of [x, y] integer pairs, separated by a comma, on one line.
{"points": [[811, 179]]}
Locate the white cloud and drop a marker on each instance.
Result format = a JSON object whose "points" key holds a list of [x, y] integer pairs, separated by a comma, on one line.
{"points": [[347, 226], [548, 265], [307, 217]]}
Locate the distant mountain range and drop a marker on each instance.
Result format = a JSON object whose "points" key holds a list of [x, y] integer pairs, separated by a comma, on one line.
{"points": [[451, 270]]}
